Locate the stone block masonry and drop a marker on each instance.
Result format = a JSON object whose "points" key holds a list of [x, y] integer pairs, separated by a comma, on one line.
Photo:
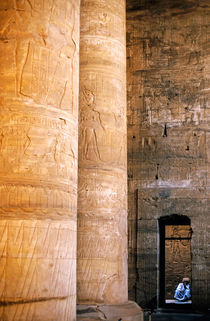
{"points": [[168, 78]]}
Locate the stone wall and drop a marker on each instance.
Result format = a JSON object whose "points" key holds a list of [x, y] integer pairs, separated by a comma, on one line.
{"points": [[168, 136]]}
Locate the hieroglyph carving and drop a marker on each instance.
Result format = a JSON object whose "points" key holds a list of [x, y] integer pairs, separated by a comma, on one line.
{"points": [[48, 152], [51, 84], [39, 57], [37, 264]]}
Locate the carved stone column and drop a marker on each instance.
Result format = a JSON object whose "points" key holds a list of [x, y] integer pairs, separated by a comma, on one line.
{"points": [[38, 159], [102, 201]]}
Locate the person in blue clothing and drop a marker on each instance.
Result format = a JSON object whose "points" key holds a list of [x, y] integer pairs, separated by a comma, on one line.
{"points": [[182, 292]]}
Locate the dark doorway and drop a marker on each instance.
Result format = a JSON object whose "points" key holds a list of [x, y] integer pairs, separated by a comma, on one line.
{"points": [[175, 255]]}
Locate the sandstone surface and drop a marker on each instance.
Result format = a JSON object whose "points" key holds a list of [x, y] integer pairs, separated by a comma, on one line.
{"points": [[168, 137], [39, 51], [102, 186], [128, 311]]}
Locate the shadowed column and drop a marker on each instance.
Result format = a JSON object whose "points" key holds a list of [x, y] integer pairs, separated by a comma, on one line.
{"points": [[102, 198], [38, 159]]}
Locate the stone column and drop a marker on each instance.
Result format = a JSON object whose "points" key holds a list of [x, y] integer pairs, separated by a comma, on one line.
{"points": [[38, 159], [102, 196]]}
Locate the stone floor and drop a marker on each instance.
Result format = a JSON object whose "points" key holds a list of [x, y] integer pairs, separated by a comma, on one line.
{"points": [[178, 316]]}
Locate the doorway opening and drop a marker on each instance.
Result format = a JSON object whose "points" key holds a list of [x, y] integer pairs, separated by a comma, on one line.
{"points": [[175, 256]]}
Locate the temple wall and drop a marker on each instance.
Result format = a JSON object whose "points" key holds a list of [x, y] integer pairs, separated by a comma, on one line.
{"points": [[39, 49], [168, 137], [102, 186]]}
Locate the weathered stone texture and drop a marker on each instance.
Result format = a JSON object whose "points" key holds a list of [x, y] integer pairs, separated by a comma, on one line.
{"points": [[39, 46], [168, 134], [102, 187], [128, 311]]}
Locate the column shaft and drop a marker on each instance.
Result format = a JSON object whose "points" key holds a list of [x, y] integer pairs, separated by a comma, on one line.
{"points": [[102, 196], [38, 159]]}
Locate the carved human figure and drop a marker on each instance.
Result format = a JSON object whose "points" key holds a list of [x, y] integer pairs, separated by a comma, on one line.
{"points": [[91, 123]]}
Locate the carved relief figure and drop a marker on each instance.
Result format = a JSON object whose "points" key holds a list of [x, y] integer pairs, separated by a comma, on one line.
{"points": [[90, 121], [14, 143]]}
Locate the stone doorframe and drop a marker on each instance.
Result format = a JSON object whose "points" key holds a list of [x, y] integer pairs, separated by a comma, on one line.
{"points": [[164, 221]]}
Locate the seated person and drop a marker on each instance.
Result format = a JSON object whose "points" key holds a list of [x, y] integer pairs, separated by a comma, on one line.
{"points": [[182, 292]]}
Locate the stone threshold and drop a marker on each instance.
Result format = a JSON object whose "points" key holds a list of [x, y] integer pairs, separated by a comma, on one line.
{"points": [[172, 301]]}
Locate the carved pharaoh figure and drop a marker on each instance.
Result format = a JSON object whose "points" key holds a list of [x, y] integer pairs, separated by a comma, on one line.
{"points": [[91, 123]]}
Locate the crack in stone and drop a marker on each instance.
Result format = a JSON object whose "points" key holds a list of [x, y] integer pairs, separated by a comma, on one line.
{"points": [[26, 301], [103, 314]]}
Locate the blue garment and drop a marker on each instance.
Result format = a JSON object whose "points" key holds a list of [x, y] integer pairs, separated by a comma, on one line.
{"points": [[182, 292]]}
